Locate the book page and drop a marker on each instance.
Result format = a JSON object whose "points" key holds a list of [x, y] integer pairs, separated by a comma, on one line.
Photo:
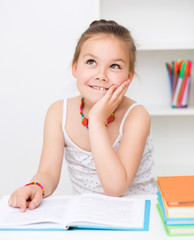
{"points": [[51, 210], [92, 209]]}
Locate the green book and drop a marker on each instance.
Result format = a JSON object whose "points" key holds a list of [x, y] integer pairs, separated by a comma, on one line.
{"points": [[176, 230]]}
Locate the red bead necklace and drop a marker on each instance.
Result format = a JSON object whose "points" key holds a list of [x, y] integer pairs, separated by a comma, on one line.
{"points": [[85, 120]]}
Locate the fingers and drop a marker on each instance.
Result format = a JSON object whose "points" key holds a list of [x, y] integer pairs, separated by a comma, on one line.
{"points": [[22, 205], [35, 202], [110, 91], [117, 93], [11, 202], [109, 101], [18, 202], [121, 90], [26, 197]]}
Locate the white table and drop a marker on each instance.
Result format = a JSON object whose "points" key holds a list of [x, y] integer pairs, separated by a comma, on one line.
{"points": [[156, 231]]}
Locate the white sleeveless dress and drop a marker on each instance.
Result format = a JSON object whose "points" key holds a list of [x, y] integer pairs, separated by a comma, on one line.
{"points": [[82, 171]]}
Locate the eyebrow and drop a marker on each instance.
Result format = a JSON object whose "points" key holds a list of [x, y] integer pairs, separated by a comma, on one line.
{"points": [[89, 55], [114, 60]]}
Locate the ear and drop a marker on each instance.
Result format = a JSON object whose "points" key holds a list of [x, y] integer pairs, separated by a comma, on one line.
{"points": [[74, 70], [130, 76]]}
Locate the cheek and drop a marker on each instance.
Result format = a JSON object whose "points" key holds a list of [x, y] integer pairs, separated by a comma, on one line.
{"points": [[118, 78], [83, 76], [82, 80]]}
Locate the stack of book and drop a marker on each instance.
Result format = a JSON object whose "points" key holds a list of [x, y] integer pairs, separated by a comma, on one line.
{"points": [[179, 73], [176, 204]]}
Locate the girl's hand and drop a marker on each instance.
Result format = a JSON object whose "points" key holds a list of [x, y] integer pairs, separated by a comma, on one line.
{"points": [[26, 197], [108, 103]]}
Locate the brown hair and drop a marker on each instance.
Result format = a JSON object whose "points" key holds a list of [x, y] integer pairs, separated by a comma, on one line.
{"points": [[108, 27]]}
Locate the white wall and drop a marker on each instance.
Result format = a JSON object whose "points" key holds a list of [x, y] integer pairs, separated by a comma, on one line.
{"points": [[37, 40]]}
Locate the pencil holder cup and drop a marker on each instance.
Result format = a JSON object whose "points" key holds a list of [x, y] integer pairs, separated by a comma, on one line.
{"points": [[179, 73]]}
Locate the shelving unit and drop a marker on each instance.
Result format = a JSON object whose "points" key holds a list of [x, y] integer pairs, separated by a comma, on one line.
{"points": [[168, 111], [163, 32]]}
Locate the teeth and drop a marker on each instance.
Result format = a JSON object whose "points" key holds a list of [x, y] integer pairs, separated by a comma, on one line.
{"points": [[99, 88]]}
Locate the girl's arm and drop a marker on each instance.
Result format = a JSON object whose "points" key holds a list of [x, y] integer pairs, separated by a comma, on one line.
{"points": [[53, 148], [49, 170], [117, 170]]}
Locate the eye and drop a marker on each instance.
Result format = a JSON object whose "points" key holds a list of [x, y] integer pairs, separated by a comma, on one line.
{"points": [[115, 66], [91, 62]]}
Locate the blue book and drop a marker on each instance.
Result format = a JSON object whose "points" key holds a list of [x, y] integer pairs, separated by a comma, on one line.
{"points": [[85, 211], [173, 221]]}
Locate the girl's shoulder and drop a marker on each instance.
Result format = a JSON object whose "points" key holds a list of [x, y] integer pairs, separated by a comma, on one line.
{"points": [[58, 104], [136, 113], [133, 107], [55, 110], [73, 100]]}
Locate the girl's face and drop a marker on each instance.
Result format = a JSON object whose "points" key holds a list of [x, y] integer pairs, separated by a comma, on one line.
{"points": [[103, 62]]}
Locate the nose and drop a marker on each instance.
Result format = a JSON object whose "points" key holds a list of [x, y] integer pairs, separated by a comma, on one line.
{"points": [[101, 79], [101, 75]]}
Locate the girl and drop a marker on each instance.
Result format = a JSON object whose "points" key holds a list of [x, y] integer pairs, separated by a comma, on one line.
{"points": [[106, 135]]}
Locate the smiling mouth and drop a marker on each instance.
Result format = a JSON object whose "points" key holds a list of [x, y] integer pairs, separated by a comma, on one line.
{"points": [[99, 88]]}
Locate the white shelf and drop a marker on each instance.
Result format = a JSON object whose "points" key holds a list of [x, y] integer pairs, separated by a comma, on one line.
{"points": [[144, 46], [169, 111], [173, 170]]}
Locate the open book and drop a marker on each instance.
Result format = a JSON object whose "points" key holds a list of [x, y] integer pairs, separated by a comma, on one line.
{"points": [[86, 211]]}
